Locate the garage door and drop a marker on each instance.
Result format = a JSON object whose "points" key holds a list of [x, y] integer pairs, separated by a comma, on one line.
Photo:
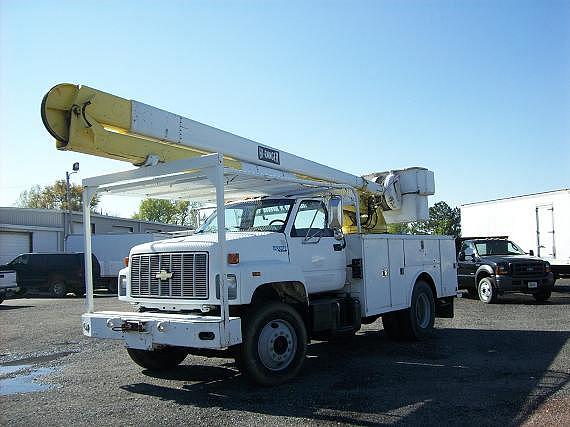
{"points": [[13, 244]]}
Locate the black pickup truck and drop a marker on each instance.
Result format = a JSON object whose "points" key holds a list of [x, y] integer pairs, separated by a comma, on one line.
{"points": [[491, 266]]}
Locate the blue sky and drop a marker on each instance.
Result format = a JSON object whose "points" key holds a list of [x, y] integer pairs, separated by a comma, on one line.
{"points": [[477, 91]]}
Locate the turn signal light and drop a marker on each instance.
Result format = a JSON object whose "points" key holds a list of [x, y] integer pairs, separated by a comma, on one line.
{"points": [[126, 261], [233, 258]]}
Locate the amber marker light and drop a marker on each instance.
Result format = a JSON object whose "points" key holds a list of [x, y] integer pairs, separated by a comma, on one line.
{"points": [[233, 258], [126, 261], [256, 273]]}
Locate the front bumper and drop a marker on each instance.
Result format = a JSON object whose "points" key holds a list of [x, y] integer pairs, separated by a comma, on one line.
{"points": [[524, 284], [146, 331]]}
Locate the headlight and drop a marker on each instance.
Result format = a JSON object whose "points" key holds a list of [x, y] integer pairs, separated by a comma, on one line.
{"points": [[547, 267], [122, 286], [502, 269], [231, 282]]}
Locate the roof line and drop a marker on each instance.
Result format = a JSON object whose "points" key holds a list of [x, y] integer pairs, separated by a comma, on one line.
{"points": [[516, 197]]}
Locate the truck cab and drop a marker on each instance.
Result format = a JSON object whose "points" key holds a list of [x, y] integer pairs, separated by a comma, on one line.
{"points": [[492, 266], [280, 243]]}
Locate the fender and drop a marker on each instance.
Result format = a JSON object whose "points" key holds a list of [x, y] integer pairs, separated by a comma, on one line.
{"points": [[417, 276], [487, 269], [270, 272]]}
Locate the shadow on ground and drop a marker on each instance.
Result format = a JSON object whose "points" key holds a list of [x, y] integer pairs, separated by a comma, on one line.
{"points": [[458, 377]]}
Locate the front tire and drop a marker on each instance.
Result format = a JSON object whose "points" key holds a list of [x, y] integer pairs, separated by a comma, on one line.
{"points": [[274, 344], [486, 291], [160, 359]]}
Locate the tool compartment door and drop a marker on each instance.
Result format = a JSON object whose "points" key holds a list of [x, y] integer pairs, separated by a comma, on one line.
{"points": [[376, 275]]}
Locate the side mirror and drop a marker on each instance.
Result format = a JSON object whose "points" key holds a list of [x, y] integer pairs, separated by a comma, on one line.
{"points": [[531, 252], [335, 213], [461, 256]]}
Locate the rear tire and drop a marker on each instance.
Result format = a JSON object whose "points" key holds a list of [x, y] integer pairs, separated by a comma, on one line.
{"points": [[274, 344], [542, 296], [416, 323], [160, 359], [486, 291]]}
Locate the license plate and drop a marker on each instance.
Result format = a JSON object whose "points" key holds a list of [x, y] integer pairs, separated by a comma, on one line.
{"points": [[532, 285]]}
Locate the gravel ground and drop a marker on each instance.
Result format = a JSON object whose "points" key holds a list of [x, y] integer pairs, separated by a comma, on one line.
{"points": [[502, 364]]}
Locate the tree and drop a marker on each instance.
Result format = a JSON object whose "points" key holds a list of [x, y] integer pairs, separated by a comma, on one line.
{"points": [[443, 220], [168, 212], [54, 197]]}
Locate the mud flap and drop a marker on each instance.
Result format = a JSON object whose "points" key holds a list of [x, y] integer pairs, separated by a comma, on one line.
{"points": [[444, 307]]}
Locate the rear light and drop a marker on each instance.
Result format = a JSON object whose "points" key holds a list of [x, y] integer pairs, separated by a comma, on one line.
{"points": [[126, 261]]}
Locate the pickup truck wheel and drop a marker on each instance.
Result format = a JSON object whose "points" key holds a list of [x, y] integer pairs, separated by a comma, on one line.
{"points": [[486, 291], [274, 344], [542, 296], [160, 359], [416, 323], [57, 288]]}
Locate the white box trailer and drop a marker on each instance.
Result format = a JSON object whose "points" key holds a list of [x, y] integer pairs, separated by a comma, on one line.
{"points": [[111, 250], [536, 222]]}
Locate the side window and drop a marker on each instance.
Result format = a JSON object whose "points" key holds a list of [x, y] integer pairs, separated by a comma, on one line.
{"points": [[468, 248], [311, 220]]}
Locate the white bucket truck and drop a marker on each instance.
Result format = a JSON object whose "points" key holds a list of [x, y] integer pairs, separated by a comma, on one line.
{"points": [[291, 254]]}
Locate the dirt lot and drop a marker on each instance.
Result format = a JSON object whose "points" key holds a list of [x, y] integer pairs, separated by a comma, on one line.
{"points": [[502, 364]]}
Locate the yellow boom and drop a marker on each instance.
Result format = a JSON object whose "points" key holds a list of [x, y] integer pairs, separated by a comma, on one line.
{"points": [[93, 122]]}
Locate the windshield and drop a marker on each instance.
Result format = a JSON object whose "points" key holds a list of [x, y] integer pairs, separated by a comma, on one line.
{"points": [[255, 215], [497, 247]]}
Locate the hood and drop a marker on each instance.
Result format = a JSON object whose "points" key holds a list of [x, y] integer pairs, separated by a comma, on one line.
{"points": [[251, 245], [513, 259]]}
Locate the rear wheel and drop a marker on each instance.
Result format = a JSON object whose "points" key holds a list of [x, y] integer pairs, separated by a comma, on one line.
{"points": [[486, 291], [158, 360], [57, 288], [416, 323], [274, 344], [542, 296]]}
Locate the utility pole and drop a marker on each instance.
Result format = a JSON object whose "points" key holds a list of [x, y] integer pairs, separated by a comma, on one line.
{"points": [[67, 222]]}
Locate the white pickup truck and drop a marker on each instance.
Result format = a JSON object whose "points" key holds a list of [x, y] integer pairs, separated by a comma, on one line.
{"points": [[8, 283]]}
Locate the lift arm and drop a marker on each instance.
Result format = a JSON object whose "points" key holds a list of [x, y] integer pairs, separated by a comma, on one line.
{"points": [[90, 121]]}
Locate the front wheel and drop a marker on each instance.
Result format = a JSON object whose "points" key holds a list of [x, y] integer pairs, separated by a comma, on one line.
{"points": [[160, 359], [486, 291], [274, 344]]}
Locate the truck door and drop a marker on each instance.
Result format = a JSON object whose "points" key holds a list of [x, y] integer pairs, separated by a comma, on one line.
{"points": [[312, 246], [466, 266], [545, 231]]}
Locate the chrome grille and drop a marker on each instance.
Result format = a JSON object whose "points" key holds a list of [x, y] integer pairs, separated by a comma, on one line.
{"points": [[189, 275], [528, 269]]}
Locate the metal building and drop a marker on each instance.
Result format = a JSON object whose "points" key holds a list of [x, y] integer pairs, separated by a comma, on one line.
{"points": [[43, 230]]}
